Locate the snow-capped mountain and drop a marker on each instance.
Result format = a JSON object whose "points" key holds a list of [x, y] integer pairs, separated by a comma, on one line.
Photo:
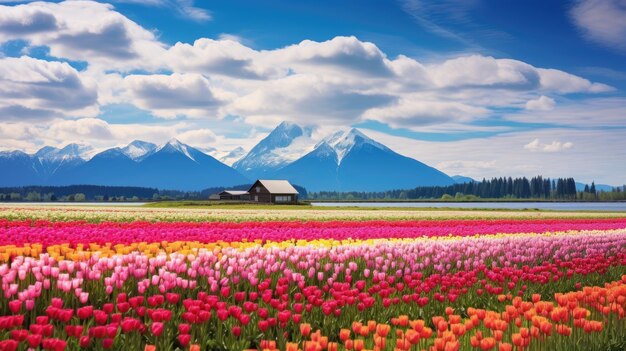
{"points": [[351, 161], [50, 160], [346, 160], [70, 151], [173, 165], [174, 146], [343, 141], [283, 145], [138, 149]]}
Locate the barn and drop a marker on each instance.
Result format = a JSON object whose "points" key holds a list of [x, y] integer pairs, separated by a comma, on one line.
{"points": [[273, 191], [234, 195]]}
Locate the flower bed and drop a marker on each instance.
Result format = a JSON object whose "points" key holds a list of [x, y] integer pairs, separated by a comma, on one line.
{"points": [[386, 285]]}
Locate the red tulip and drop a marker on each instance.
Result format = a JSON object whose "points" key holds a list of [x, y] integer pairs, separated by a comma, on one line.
{"points": [[84, 312], [107, 343], [84, 341], [33, 340], [19, 334], [15, 306], [184, 339], [157, 328]]}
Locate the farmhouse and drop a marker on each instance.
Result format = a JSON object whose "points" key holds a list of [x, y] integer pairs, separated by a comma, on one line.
{"points": [[273, 191], [234, 195]]}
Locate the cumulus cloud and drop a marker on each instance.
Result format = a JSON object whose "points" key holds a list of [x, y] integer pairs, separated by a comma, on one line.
{"points": [[81, 31], [85, 129], [554, 146], [39, 89], [602, 21], [415, 110], [173, 95], [542, 103], [324, 100], [563, 82], [198, 137], [217, 57], [485, 71]]}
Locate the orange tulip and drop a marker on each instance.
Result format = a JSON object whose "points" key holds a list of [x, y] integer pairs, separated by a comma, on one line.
{"points": [[383, 329], [452, 346], [505, 346], [305, 329], [344, 334], [487, 343], [380, 341]]}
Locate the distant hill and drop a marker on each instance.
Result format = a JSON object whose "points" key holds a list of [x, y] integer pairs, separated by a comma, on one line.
{"points": [[459, 179], [599, 187]]}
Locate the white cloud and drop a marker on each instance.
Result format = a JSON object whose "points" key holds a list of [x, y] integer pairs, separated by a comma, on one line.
{"points": [[537, 146], [542, 103], [478, 70], [562, 82], [82, 31], [172, 95], [198, 137], [38, 89], [85, 129], [591, 112], [308, 99], [217, 57], [602, 21], [415, 110]]}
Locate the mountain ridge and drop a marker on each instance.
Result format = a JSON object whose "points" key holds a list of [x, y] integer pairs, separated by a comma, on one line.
{"points": [[345, 160]]}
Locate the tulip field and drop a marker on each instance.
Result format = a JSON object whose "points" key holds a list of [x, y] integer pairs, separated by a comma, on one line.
{"points": [[310, 280]]}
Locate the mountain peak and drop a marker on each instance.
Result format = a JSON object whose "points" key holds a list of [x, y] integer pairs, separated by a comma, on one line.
{"points": [[69, 151], [138, 149], [174, 145], [325, 150], [45, 150], [344, 141], [281, 145]]}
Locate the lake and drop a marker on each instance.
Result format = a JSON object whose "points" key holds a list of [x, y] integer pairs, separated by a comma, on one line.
{"points": [[557, 206]]}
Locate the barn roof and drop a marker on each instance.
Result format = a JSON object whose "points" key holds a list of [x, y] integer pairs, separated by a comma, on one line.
{"points": [[234, 192], [278, 186]]}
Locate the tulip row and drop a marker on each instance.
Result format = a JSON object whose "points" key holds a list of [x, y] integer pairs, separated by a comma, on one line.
{"points": [[46, 233], [217, 286], [301, 213]]}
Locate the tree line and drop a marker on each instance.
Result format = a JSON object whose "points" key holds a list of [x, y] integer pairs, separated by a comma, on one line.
{"points": [[98, 193], [538, 187]]}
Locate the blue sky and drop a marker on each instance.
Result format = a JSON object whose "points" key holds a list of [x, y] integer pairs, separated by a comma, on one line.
{"points": [[544, 81]]}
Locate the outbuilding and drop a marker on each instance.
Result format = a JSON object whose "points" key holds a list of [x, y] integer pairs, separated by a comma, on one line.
{"points": [[234, 195], [273, 191]]}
